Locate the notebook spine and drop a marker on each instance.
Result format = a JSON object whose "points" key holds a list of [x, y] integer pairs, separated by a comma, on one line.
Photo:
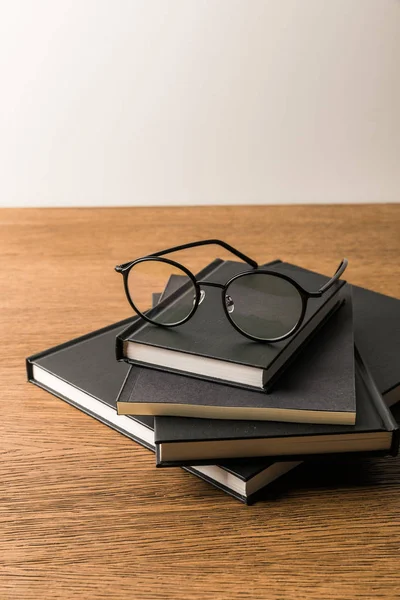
{"points": [[122, 392], [29, 369], [380, 406], [128, 386], [270, 382]]}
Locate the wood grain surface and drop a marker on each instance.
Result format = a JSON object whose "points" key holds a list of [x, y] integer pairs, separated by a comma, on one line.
{"points": [[83, 511]]}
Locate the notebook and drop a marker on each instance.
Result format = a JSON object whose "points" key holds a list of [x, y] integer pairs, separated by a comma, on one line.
{"points": [[205, 441], [208, 346]]}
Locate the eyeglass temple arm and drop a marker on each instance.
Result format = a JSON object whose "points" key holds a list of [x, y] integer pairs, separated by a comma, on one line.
{"points": [[247, 259], [339, 271], [228, 247]]}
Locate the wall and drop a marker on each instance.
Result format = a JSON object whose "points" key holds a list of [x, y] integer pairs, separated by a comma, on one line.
{"points": [[192, 101]]}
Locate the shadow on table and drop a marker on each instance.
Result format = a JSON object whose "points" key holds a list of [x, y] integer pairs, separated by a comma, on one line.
{"points": [[327, 473]]}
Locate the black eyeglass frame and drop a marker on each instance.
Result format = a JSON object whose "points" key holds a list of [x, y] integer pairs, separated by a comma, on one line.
{"points": [[305, 295]]}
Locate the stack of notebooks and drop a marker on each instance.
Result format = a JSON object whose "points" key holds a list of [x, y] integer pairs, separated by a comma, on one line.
{"points": [[238, 413]]}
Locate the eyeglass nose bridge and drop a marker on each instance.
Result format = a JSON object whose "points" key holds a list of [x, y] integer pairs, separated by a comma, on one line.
{"points": [[211, 284], [214, 285], [230, 305]]}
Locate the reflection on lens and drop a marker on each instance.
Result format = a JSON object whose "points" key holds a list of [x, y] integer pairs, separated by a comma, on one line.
{"points": [[263, 306], [178, 293]]}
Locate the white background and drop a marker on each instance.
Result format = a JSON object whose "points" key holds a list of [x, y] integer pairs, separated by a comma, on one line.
{"points": [[148, 102]]}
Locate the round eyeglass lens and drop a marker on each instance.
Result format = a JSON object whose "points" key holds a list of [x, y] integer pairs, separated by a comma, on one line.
{"points": [[178, 292], [263, 306]]}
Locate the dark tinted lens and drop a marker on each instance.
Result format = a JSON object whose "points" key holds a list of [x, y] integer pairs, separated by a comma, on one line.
{"points": [[264, 306], [178, 293]]}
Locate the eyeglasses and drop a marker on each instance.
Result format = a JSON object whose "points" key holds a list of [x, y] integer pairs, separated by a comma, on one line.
{"points": [[261, 304]]}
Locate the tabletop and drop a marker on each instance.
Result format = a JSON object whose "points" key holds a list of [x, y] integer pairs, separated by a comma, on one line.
{"points": [[83, 511]]}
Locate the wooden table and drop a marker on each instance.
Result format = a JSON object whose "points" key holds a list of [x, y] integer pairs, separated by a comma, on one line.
{"points": [[83, 511]]}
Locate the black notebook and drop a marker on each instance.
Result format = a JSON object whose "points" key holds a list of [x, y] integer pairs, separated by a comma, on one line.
{"points": [[321, 386], [208, 346], [204, 441], [84, 373]]}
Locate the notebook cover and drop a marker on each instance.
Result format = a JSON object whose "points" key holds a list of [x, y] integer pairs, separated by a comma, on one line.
{"points": [[377, 334], [209, 334], [372, 416], [319, 382]]}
